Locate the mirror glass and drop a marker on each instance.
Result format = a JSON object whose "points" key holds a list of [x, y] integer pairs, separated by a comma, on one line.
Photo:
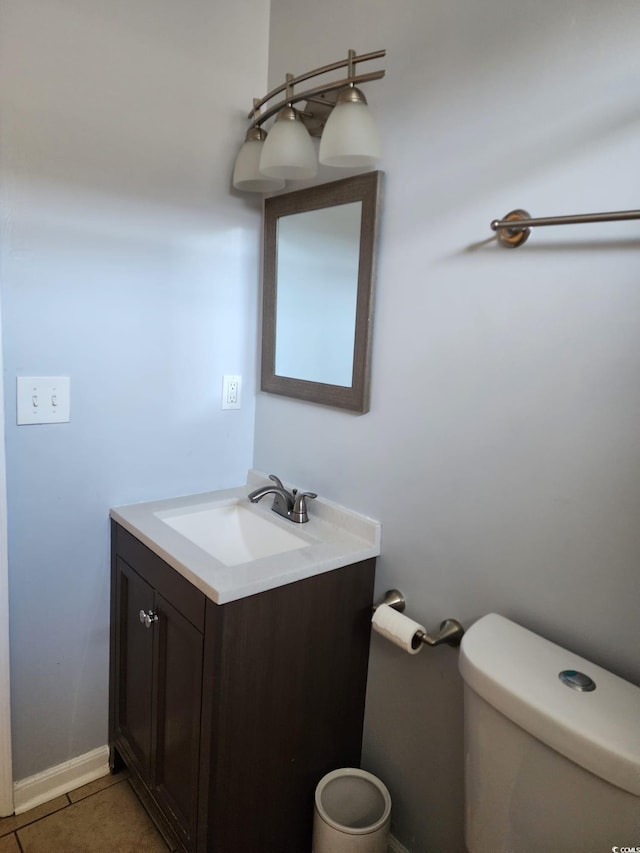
{"points": [[318, 291], [320, 305]]}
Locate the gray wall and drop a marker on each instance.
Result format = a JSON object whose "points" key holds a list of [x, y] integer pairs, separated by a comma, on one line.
{"points": [[501, 453], [128, 266]]}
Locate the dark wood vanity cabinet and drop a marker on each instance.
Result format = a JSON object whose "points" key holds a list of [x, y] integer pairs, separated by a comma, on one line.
{"points": [[157, 686], [229, 715]]}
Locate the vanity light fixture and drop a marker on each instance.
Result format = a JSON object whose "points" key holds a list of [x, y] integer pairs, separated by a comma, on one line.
{"points": [[337, 111]]}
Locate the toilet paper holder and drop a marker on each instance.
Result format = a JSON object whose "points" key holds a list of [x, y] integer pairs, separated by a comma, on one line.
{"points": [[451, 631]]}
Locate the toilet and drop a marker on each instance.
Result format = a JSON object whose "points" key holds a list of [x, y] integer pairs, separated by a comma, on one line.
{"points": [[552, 747]]}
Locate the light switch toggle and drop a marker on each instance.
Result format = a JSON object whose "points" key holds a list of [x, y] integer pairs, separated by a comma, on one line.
{"points": [[43, 399]]}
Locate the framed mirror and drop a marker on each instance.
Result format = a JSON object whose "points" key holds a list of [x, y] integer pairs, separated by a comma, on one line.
{"points": [[319, 263]]}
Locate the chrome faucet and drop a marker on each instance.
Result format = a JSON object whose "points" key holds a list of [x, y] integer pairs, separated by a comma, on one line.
{"points": [[291, 505]]}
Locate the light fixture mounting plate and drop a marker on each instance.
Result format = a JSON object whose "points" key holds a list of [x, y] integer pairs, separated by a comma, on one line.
{"points": [[316, 111]]}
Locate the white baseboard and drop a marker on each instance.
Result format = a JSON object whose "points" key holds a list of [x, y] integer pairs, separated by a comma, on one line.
{"points": [[394, 846], [45, 786]]}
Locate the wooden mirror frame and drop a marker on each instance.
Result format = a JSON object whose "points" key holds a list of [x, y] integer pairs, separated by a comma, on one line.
{"points": [[366, 188]]}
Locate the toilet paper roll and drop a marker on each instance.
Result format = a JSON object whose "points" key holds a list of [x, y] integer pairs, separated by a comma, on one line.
{"points": [[398, 629]]}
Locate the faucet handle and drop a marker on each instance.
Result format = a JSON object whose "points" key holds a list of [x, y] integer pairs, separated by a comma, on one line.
{"points": [[299, 511], [276, 480]]}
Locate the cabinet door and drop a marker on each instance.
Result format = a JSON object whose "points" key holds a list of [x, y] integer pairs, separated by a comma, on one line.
{"points": [[177, 703], [134, 655]]}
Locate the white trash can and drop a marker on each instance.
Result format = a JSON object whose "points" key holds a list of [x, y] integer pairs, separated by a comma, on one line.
{"points": [[352, 813]]}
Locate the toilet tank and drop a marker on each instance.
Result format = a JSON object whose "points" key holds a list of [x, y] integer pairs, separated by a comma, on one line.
{"points": [[548, 768]]}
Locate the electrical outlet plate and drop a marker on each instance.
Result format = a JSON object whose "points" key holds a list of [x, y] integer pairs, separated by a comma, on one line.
{"points": [[231, 388], [43, 399]]}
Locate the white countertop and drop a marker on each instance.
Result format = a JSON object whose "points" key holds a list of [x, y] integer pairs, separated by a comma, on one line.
{"points": [[336, 537]]}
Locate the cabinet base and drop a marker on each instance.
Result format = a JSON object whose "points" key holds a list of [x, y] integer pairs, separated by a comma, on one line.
{"points": [[116, 763]]}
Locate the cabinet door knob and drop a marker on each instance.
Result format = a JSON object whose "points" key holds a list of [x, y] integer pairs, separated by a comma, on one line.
{"points": [[148, 617]]}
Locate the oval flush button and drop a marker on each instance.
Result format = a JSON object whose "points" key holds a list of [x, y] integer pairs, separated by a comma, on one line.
{"points": [[577, 680]]}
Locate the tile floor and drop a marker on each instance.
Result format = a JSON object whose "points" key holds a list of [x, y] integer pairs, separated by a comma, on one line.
{"points": [[104, 816]]}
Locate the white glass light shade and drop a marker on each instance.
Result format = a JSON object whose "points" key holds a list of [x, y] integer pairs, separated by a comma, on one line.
{"points": [[246, 172], [288, 151], [350, 136]]}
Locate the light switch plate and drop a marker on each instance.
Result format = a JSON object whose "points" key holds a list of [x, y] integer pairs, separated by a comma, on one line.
{"points": [[43, 399]]}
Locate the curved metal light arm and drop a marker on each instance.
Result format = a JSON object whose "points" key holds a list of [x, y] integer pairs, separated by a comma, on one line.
{"points": [[290, 98], [516, 226]]}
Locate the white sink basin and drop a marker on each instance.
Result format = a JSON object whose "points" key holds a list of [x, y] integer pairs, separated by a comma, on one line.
{"points": [[231, 532]]}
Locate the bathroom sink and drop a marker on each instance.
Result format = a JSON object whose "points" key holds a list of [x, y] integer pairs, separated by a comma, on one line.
{"points": [[230, 548], [232, 532]]}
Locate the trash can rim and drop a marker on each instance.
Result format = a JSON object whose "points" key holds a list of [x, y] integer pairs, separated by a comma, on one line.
{"points": [[361, 774]]}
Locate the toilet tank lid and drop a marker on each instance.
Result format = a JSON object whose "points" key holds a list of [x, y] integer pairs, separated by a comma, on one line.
{"points": [[517, 672]]}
